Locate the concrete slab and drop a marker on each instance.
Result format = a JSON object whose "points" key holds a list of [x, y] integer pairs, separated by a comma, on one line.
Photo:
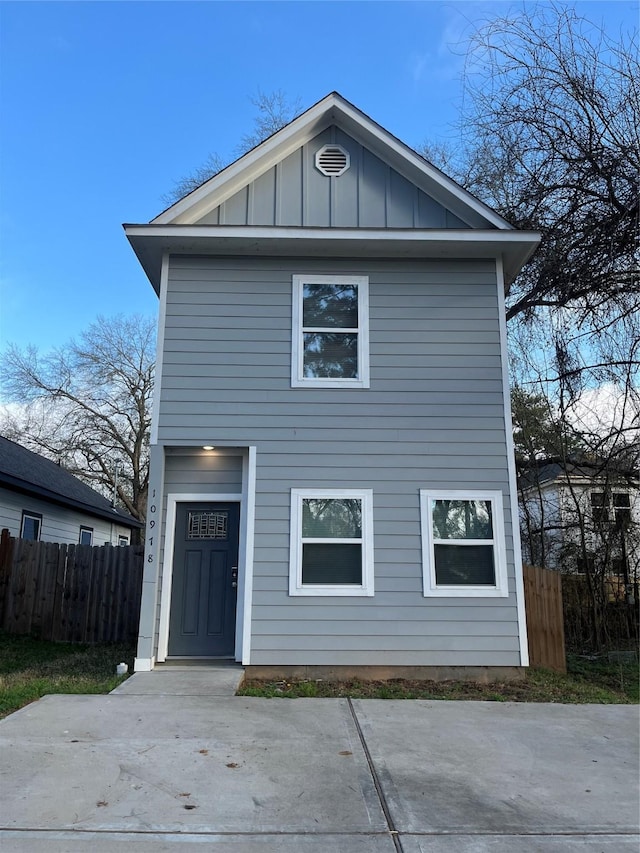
{"points": [[491, 768], [121, 842], [169, 764], [519, 844], [222, 680], [241, 774]]}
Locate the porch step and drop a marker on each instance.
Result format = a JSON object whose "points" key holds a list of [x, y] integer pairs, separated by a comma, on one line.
{"points": [[220, 678]]}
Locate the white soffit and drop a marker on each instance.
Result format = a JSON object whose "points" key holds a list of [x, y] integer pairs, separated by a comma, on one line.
{"points": [[333, 109], [150, 242]]}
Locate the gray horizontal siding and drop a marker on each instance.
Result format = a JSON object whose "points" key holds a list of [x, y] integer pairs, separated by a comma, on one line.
{"points": [[202, 472], [370, 194], [381, 657], [432, 418]]}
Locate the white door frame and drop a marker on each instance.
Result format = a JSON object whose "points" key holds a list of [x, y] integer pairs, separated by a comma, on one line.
{"points": [[245, 556]]}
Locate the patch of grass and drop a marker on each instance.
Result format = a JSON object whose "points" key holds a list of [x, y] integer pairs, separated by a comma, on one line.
{"points": [[31, 668], [586, 681]]}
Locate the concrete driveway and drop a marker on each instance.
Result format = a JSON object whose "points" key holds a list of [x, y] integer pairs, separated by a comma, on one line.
{"points": [[146, 766]]}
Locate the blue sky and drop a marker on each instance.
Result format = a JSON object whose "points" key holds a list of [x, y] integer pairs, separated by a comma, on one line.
{"points": [[105, 104]]}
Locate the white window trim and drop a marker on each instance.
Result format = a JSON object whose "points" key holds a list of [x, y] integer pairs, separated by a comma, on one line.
{"points": [[35, 516], [85, 529], [296, 586], [298, 379], [431, 588]]}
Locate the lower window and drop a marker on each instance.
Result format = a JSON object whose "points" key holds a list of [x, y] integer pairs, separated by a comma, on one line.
{"points": [[463, 550], [331, 542], [86, 535], [30, 526]]}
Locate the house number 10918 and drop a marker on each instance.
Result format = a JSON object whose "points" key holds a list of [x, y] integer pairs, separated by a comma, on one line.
{"points": [[152, 524]]}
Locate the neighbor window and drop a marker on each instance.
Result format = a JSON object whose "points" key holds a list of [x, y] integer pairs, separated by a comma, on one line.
{"points": [[330, 330], [30, 526], [331, 542], [122, 540], [612, 509], [463, 544], [86, 535]]}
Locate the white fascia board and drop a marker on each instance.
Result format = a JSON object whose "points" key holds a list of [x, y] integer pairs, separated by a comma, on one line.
{"points": [[330, 110], [437, 184], [248, 167], [295, 231]]}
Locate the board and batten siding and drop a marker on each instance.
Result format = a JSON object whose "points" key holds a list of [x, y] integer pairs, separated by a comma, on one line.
{"points": [[370, 194], [432, 418]]}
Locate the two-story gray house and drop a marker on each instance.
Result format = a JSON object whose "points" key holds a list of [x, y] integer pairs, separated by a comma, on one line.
{"points": [[332, 476]]}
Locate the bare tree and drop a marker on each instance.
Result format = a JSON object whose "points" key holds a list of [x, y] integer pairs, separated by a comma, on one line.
{"points": [[274, 110], [552, 120], [577, 431], [550, 138], [87, 405]]}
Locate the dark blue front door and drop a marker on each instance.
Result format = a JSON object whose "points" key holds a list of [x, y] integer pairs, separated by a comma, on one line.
{"points": [[205, 577]]}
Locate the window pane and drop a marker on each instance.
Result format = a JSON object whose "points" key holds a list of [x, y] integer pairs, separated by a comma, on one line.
{"points": [[462, 519], [31, 528], [330, 306], [331, 563], [330, 355], [465, 564], [331, 518], [207, 525], [86, 536], [620, 499]]}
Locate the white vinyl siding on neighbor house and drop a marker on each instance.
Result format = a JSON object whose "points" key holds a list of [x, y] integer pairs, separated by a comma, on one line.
{"points": [[463, 551], [331, 546], [58, 524], [330, 331]]}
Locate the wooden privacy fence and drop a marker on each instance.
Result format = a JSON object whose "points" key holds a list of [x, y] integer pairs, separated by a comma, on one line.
{"points": [[72, 593], [545, 621]]}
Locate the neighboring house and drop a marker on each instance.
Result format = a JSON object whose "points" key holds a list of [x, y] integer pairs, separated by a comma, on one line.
{"points": [[332, 476], [577, 515], [41, 500]]}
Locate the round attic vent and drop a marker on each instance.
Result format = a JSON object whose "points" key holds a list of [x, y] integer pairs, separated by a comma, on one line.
{"points": [[332, 160]]}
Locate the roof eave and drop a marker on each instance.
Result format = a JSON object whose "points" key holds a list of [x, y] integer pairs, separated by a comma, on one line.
{"points": [[33, 490], [151, 242]]}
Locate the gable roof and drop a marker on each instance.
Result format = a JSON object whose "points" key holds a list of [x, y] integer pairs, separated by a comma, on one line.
{"points": [[180, 228], [27, 472], [332, 110]]}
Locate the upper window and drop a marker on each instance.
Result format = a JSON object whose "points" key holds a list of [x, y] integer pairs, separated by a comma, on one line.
{"points": [[86, 535], [463, 544], [30, 526], [612, 509], [331, 542], [330, 331]]}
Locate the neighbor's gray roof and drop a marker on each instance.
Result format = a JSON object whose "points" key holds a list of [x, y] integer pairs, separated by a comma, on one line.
{"points": [[548, 470], [23, 471]]}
